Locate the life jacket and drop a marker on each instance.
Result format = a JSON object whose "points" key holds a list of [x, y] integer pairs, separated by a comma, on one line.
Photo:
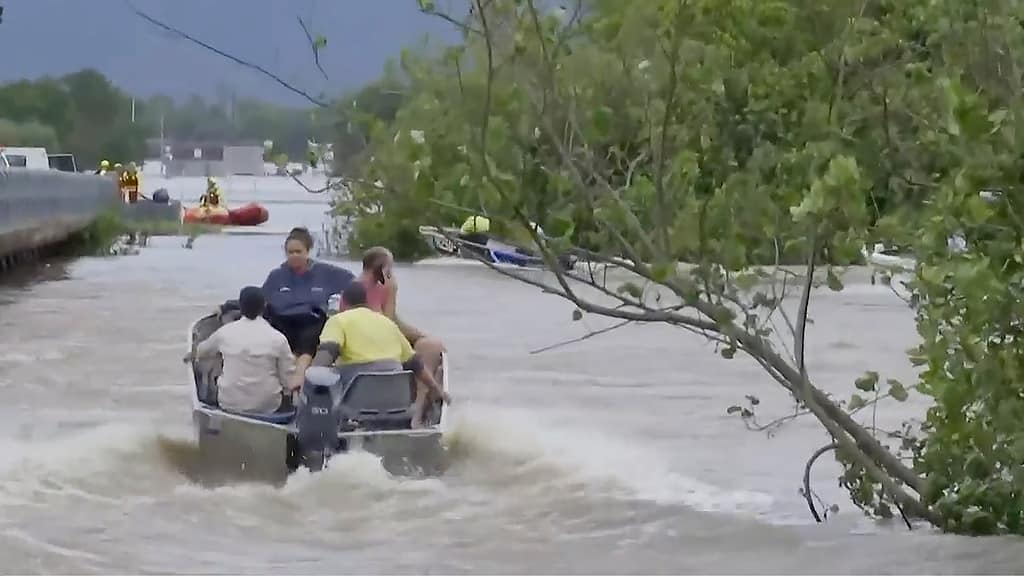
{"points": [[212, 197], [128, 179], [476, 225], [129, 185]]}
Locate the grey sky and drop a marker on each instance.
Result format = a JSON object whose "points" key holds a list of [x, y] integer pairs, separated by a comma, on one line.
{"points": [[54, 37]]}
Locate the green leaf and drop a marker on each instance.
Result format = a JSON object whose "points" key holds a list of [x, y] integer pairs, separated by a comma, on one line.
{"points": [[601, 117], [833, 281], [868, 382], [754, 400], [996, 118], [728, 353], [577, 315], [733, 409], [856, 402], [660, 273], [320, 42], [426, 5], [723, 314], [631, 289], [979, 522], [897, 390], [745, 282]]}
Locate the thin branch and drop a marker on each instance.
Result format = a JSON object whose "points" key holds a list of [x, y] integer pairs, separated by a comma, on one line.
{"points": [[752, 424], [455, 22], [219, 52], [586, 336], [313, 47], [807, 477], [672, 54], [488, 95], [801, 317]]}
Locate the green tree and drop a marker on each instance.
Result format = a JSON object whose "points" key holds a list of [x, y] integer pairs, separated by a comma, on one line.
{"points": [[44, 101], [30, 133], [731, 133], [358, 114]]}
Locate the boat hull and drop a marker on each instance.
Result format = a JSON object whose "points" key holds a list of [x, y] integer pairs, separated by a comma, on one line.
{"points": [[446, 242], [235, 449]]}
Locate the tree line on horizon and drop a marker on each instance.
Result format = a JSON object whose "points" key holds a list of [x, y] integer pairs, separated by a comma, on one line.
{"points": [[85, 114]]}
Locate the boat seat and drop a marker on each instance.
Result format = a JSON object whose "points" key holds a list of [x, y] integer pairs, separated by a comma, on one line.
{"points": [[230, 316], [283, 417], [378, 400]]}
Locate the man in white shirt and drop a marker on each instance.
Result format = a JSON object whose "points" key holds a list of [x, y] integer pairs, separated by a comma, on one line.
{"points": [[257, 358]]}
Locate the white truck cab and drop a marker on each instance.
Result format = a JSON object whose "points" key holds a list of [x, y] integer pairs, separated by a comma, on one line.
{"points": [[24, 157]]}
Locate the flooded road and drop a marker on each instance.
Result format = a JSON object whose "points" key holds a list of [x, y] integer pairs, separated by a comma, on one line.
{"points": [[610, 455]]}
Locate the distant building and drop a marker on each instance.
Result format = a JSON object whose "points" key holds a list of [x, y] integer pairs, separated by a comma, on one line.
{"points": [[215, 159]]}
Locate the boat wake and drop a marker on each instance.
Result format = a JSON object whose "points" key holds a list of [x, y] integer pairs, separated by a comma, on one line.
{"points": [[495, 458], [599, 463]]}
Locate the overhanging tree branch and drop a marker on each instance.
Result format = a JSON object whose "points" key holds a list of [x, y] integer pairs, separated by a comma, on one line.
{"points": [[181, 34]]}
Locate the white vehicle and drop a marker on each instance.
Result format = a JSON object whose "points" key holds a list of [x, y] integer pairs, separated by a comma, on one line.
{"points": [[24, 157]]}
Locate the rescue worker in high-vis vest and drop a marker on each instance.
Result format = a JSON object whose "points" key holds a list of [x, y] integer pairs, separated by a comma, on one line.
{"points": [[128, 181], [475, 229], [212, 198], [134, 169], [104, 168]]}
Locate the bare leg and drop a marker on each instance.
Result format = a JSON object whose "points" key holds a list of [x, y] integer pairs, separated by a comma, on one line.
{"points": [[426, 387], [299, 375], [419, 405], [429, 350]]}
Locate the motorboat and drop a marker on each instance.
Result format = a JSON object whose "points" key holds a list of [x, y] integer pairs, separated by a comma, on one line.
{"points": [[371, 414], [447, 242], [890, 259]]}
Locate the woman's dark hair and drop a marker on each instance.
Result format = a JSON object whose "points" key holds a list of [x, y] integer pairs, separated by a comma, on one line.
{"points": [[302, 235]]}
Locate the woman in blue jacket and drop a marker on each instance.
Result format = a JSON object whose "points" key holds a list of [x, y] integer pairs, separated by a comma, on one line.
{"points": [[297, 294]]}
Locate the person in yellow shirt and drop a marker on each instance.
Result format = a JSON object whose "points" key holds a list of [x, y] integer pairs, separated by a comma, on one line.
{"points": [[474, 234], [212, 198], [362, 340], [476, 229]]}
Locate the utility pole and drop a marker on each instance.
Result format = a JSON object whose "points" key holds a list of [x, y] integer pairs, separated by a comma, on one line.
{"points": [[163, 149]]}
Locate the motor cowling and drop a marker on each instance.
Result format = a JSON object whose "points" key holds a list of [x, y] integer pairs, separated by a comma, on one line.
{"points": [[318, 417]]}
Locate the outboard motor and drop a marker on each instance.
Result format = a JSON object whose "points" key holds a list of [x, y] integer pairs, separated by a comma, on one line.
{"points": [[318, 417]]}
